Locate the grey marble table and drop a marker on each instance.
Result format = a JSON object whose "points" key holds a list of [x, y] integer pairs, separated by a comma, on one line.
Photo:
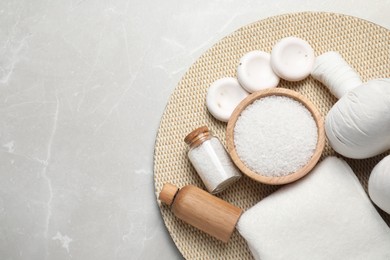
{"points": [[83, 85]]}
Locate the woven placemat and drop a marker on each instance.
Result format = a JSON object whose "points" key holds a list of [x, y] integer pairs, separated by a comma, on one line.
{"points": [[363, 44]]}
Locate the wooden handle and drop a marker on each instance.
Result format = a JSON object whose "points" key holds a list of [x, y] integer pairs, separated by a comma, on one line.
{"points": [[282, 179], [206, 212], [168, 193]]}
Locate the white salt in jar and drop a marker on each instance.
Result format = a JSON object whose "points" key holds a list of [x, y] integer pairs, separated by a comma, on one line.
{"points": [[210, 160]]}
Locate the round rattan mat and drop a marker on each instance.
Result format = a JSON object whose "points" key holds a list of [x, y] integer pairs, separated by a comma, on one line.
{"points": [[363, 44]]}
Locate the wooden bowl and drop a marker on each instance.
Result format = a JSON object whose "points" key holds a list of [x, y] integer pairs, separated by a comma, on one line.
{"points": [[280, 179]]}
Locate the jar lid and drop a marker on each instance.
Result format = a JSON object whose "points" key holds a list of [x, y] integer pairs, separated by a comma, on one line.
{"points": [[197, 136]]}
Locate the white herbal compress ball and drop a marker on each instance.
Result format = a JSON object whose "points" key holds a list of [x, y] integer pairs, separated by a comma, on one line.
{"points": [[379, 184], [358, 125]]}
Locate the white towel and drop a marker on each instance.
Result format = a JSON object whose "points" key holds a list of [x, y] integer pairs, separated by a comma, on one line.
{"points": [[326, 215]]}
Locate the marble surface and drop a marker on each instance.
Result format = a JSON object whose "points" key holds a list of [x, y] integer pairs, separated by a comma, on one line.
{"points": [[83, 85]]}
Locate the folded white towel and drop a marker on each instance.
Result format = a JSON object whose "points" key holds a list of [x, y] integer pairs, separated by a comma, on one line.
{"points": [[326, 215]]}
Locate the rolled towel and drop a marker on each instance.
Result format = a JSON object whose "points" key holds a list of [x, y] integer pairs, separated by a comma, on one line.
{"points": [[326, 215]]}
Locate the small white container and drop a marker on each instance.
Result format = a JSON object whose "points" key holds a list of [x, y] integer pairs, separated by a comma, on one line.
{"points": [[255, 72], [210, 160], [223, 96], [292, 58]]}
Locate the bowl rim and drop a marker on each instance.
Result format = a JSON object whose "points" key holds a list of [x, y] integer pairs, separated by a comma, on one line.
{"points": [[276, 180]]}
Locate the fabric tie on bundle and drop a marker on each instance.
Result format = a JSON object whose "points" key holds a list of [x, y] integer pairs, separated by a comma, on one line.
{"points": [[326, 215]]}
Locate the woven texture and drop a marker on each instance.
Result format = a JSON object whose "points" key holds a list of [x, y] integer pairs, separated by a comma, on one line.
{"points": [[364, 45]]}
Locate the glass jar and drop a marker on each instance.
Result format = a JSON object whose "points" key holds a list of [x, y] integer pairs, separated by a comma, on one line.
{"points": [[210, 160]]}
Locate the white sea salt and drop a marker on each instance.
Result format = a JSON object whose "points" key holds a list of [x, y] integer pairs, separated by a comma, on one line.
{"points": [[275, 136]]}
